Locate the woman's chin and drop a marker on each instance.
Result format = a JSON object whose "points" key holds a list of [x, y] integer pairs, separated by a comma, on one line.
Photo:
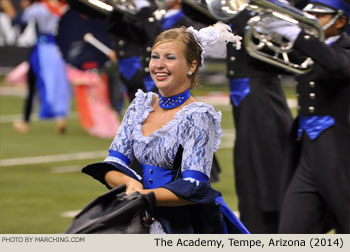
{"points": [[161, 85]]}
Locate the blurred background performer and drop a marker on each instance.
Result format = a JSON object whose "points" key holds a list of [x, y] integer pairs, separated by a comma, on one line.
{"points": [[318, 196], [95, 79], [9, 18], [47, 68], [263, 120], [175, 16], [132, 36]]}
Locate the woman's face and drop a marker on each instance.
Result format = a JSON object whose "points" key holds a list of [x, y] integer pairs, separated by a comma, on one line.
{"points": [[168, 68], [25, 3]]}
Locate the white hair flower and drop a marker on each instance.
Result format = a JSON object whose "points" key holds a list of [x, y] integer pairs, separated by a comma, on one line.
{"points": [[215, 38]]}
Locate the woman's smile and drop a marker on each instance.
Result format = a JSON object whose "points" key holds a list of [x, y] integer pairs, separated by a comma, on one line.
{"points": [[168, 68], [161, 76]]}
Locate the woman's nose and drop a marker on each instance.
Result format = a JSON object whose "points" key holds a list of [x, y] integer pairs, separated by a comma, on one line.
{"points": [[160, 63]]}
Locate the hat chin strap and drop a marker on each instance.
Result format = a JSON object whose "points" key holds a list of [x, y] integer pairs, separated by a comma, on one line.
{"points": [[330, 23]]}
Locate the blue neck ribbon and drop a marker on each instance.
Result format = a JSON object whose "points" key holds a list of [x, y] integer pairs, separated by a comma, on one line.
{"points": [[173, 101]]}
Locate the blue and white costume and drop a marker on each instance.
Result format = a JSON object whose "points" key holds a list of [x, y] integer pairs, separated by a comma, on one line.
{"points": [[48, 64], [196, 127]]}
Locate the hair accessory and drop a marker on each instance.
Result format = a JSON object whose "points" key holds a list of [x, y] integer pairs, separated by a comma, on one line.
{"points": [[189, 73], [216, 36], [173, 101]]}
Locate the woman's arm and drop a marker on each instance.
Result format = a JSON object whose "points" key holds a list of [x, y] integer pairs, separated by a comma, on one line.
{"points": [[116, 178], [164, 197]]}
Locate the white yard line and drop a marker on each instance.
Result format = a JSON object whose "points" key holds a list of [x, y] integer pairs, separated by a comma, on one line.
{"points": [[228, 137], [19, 90], [12, 118], [66, 169], [53, 158], [226, 142]]}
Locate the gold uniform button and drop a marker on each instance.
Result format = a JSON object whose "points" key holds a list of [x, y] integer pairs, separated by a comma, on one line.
{"points": [[311, 109]]}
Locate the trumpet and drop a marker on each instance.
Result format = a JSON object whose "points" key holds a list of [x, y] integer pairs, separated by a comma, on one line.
{"points": [[274, 50]]}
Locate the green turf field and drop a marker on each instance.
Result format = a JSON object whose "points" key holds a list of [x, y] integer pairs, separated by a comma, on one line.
{"points": [[37, 197]]}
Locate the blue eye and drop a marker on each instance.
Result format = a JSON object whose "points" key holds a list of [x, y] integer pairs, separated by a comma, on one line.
{"points": [[171, 57], [154, 56]]}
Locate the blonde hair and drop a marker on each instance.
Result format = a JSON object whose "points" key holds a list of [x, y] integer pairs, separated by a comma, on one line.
{"points": [[192, 51]]}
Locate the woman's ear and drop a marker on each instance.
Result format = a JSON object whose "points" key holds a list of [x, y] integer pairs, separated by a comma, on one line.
{"points": [[193, 66]]}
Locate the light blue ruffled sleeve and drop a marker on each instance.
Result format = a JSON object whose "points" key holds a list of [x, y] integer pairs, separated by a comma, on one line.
{"points": [[121, 150], [201, 137]]}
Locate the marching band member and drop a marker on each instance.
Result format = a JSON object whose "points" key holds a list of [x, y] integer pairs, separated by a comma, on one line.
{"points": [[175, 17], [132, 39], [318, 195], [262, 120]]}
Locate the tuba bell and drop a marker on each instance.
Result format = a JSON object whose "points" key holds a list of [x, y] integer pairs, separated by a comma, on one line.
{"points": [[274, 50]]}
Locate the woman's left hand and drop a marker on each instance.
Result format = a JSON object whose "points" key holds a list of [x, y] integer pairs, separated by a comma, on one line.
{"points": [[132, 186]]}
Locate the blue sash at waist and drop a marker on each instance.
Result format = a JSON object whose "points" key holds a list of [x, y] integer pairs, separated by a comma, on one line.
{"points": [[314, 125], [129, 66], [46, 39], [239, 89], [148, 82], [154, 176]]}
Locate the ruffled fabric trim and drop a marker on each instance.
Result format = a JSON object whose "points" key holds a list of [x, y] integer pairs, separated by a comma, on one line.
{"points": [[143, 106]]}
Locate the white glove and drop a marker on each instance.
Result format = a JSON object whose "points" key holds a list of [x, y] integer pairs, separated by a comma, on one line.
{"points": [[281, 27], [139, 4], [226, 34]]}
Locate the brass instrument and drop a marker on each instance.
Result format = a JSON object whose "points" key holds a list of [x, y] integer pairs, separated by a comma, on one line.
{"points": [[99, 6], [274, 50], [125, 7]]}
